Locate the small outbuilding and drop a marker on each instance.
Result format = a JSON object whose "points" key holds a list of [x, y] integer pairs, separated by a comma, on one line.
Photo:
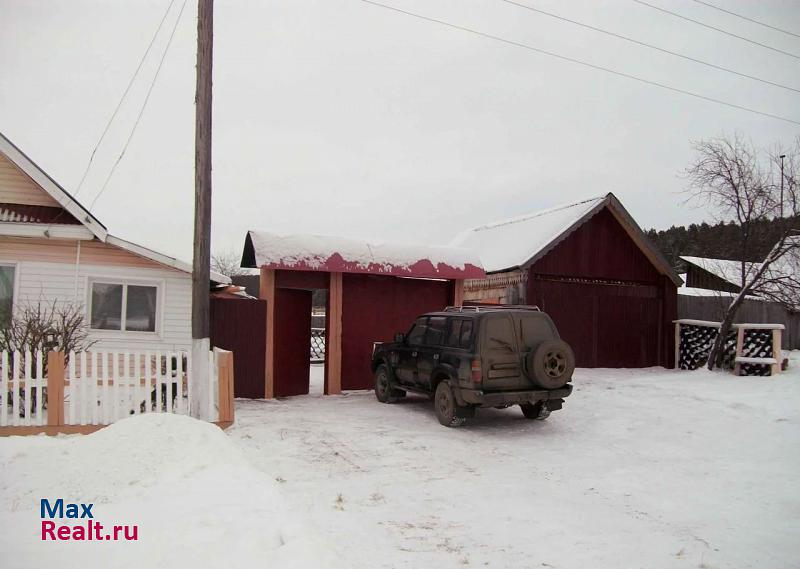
{"points": [[374, 290], [611, 293]]}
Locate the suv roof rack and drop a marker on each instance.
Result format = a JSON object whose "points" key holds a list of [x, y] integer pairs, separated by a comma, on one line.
{"points": [[490, 307]]}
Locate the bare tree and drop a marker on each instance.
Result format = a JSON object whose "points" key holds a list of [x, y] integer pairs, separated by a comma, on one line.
{"points": [[227, 263], [744, 185], [46, 326]]}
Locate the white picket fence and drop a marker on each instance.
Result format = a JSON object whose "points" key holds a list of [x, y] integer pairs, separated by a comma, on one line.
{"points": [[100, 387]]}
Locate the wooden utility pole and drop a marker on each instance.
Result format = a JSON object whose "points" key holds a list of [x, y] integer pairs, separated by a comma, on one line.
{"points": [[201, 266]]}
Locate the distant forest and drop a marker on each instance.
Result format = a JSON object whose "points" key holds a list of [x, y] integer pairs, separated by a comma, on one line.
{"points": [[714, 241]]}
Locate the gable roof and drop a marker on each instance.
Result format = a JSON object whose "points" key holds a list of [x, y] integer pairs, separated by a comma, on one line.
{"points": [[44, 181], [521, 241], [14, 217], [339, 254]]}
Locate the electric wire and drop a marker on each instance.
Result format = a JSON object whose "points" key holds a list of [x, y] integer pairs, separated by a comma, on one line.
{"points": [[754, 21], [580, 62], [122, 99], [651, 46], [720, 30], [144, 106]]}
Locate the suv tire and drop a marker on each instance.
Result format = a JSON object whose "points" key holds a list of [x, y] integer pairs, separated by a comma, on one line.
{"points": [[384, 391], [534, 411], [551, 364], [445, 404]]}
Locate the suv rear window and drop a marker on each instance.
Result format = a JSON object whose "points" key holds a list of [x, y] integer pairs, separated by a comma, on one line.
{"points": [[534, 329], [460, 333], [437, 326], [500, 332]]}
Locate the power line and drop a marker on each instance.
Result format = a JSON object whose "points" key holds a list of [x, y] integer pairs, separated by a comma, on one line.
{"points": [[720, 30], [641, 43], [579, 62], [710, 5], [122, 99], [144, 105]]}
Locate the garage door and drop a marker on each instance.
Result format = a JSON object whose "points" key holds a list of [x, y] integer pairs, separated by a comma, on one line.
{"points": [[607, 324]]}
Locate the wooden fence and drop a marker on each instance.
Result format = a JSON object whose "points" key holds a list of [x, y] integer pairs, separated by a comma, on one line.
{"points": [[87, 390], [712, 308]]}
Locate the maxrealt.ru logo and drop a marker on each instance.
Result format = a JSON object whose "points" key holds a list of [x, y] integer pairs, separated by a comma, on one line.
{"points": [[88, 530]]}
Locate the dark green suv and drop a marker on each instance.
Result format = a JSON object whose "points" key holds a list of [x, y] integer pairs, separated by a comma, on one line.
{"points": [[470, 357]]}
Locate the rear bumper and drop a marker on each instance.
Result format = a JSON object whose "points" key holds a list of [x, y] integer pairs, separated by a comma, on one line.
{"points": [[500, 398]]}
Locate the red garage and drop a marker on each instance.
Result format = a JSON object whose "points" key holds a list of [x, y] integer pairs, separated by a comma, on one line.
{"points": [[374, 290], [587, 264]]}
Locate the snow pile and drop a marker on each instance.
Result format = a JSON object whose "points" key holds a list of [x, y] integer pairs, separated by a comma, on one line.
{"points": [[315, 252], [512, 242], [196, 499]]}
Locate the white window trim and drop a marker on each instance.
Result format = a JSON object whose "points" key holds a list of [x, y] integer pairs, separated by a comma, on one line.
{"points": [[15, 286], [159, 284]]}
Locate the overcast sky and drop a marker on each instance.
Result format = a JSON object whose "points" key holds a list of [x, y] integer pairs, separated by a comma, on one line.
{"points": [[338, 117]]}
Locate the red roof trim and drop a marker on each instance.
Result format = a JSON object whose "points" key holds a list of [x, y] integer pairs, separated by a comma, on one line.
{"points": [[423, 268]]}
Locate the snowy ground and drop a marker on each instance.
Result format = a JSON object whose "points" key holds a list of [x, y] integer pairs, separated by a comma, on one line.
{"points": [[642, 468]]}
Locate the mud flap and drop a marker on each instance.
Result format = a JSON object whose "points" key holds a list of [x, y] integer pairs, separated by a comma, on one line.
{"points": [[554, 404], [465, 412]]}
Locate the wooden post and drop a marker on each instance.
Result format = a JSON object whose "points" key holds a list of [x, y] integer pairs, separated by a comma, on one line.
{"points": [[201, 263], [333, 345], [202, 172], [677, 345], [776, 351], [55, 388], [225, 386], [266, 291], [737, 367]]}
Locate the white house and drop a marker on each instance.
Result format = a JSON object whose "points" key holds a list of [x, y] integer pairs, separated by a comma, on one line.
{"points": [[54, 249]]}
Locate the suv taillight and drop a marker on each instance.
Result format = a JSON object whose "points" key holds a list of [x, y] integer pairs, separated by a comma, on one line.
{"points": [[477, 373]]}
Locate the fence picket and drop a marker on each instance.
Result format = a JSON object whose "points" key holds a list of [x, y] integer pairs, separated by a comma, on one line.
{"points": [[73, 391], [93, 395], [27, 371], [105, 404], [179, 381], [159, 382], [169, 358], [115, 387], [84, 375], [4, 389], [40, 386], [15, 389], [127, 384]]}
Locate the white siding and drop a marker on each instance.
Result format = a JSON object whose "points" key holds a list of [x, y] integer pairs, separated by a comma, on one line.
{"points": [[48, 281]]}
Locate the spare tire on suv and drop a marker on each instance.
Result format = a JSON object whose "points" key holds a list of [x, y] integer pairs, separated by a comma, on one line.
{"points": [[551, 364]]}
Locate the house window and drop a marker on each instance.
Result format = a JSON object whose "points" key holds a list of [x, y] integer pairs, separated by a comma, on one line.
{"points": [[6, 293], [124, 307]]}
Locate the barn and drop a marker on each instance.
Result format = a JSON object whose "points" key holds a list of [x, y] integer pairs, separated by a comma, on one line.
{"points": [[611, 293], [373, 291]]}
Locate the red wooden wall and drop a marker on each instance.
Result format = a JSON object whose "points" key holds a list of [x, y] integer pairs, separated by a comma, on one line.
{"points": [[374, 308], [608, 301], [240, 325]]}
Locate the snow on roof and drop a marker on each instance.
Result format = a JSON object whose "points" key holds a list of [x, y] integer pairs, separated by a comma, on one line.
{"points": [[339, 254], [513, 242], [730, 271], [693, 291]]}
